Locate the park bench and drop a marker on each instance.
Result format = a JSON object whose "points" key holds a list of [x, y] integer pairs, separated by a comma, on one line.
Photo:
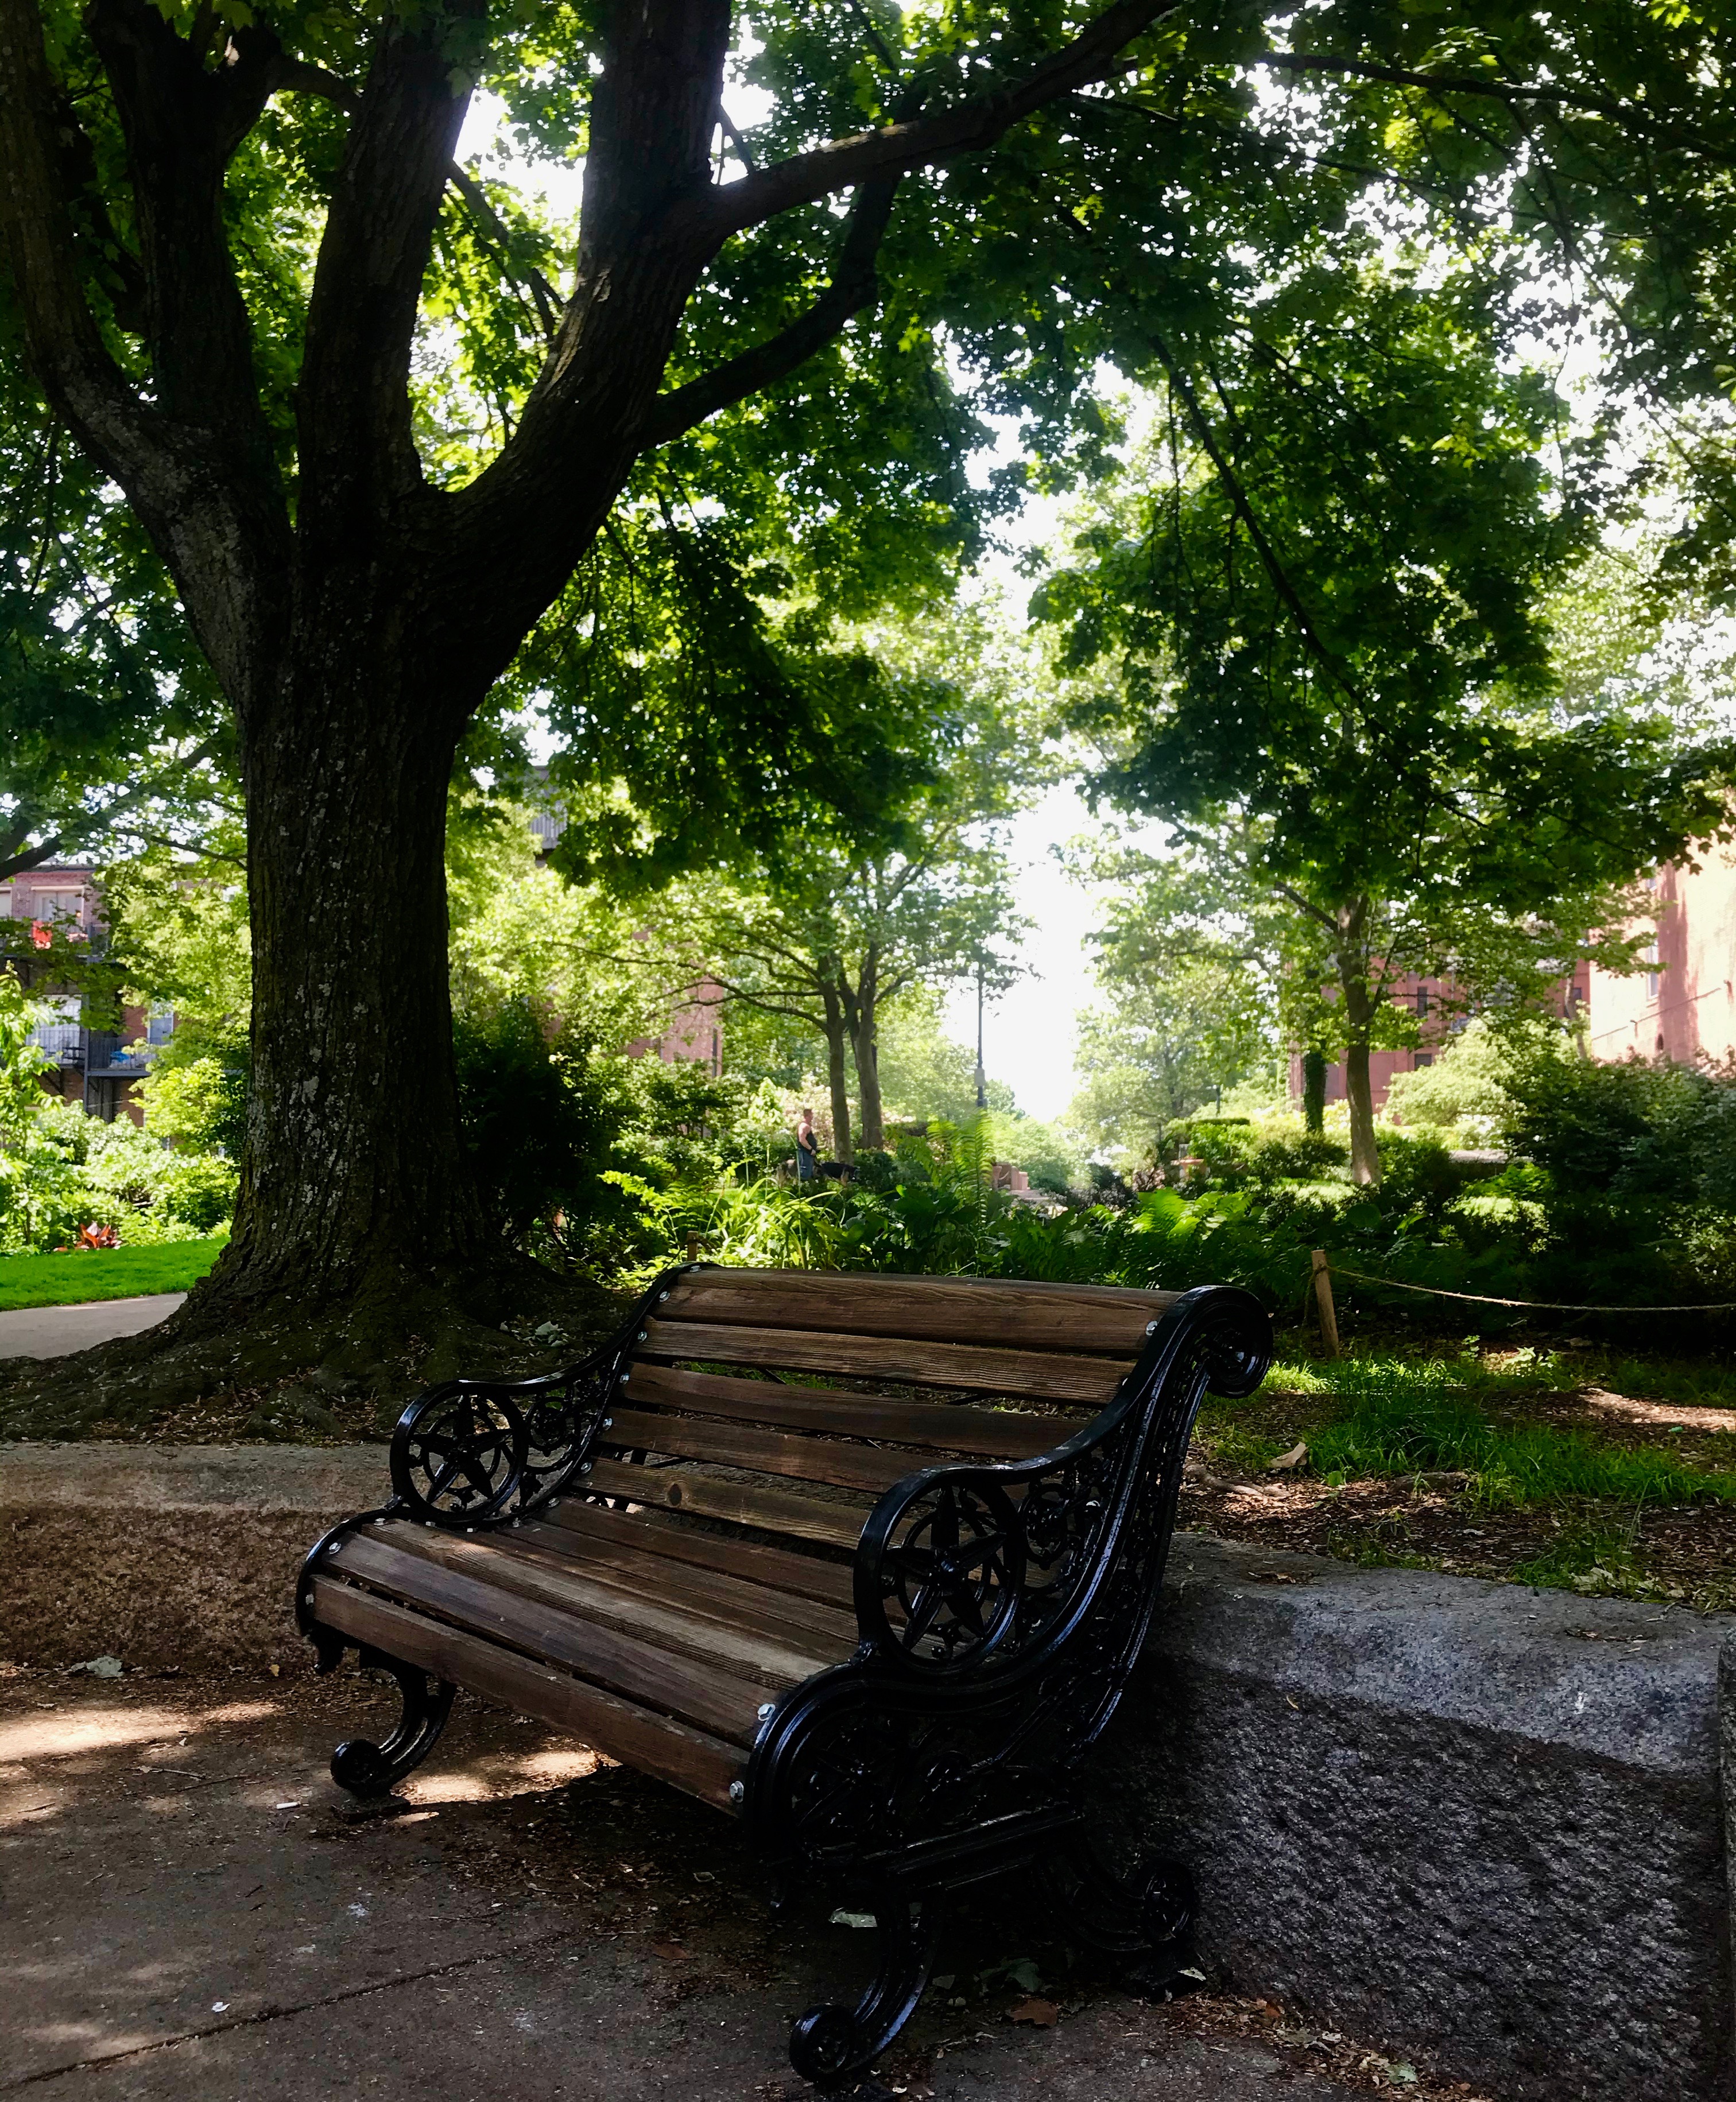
{"points": [[882, 1627]]}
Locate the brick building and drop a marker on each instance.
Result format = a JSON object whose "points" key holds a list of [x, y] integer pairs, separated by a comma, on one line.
{"points": [[1684, 1007], [1437, 1005], [99, 1067]]}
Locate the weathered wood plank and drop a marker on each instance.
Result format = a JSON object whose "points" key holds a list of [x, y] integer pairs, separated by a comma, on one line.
{"points": [[1074, 1318], [957, 1427], [1045, 1375], [776, 1568], [669, 1624], [690, 1759], [723, 1703], [804, 1623], [803, 1459], [705, 1495]]}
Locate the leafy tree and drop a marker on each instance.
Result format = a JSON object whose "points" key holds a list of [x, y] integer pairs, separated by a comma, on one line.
{"points": [[1322, 597], [372, 434], [924, 1073], [1163, 1046], [110, 727]]}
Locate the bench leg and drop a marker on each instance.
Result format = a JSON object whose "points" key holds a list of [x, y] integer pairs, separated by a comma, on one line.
{"points": [[368, 1769], [830, 2043], [1145, 1919]]}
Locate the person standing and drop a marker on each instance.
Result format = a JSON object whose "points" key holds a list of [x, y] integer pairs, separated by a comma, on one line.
{"points": [[807, 1150]]}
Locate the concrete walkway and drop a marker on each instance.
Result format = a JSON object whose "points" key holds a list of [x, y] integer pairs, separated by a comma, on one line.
{"points": [[54, 1332], [193, 1909]]}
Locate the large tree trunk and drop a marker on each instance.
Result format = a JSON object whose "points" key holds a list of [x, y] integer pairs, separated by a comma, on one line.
{"points": [[355, 1172]]}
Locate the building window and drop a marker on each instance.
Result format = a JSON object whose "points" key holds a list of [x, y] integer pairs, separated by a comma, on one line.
{"points": [[160, 1028], [1422, 999], [1425, 1059]]}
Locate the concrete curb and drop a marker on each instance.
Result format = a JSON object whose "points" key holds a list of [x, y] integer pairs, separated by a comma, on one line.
{"points": [[1487, 1818], [1484, 1818]]}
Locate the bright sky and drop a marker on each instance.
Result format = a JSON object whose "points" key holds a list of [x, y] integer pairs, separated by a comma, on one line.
{"points": [[1028, 1033]]}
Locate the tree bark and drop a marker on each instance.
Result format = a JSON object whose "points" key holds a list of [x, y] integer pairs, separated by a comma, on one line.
{"points": [[861, 1005], [836, 1031], [1353, 964], [355, 1170]]}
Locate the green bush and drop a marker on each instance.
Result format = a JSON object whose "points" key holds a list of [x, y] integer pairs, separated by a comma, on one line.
{"points": [[540, 1116]]}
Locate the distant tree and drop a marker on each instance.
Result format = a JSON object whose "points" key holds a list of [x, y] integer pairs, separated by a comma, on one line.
{"points": [[1315, 613]]}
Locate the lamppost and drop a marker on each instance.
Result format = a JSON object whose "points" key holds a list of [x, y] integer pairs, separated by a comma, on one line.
{"points": [[982, 1078]]}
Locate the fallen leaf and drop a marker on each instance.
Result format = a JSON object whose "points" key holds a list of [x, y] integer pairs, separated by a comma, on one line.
{"points": [[671, 1952], [1285, 1460], [1040, 2014], [842, 1918]]}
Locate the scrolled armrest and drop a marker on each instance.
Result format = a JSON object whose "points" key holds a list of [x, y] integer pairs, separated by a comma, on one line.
{"points": [[480, 1453], [973, 1564]]}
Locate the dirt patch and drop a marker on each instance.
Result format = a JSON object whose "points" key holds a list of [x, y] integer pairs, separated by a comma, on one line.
{"points": [[1686, 1552]]}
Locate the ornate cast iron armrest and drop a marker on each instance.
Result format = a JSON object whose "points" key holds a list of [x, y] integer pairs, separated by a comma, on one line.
{"points": [[957, 1571], [471, 1453]]}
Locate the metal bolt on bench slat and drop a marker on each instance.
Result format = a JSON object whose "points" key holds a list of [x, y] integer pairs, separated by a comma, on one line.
{"points": [[738, 1790], [1150, 1328], [766, 1712]]}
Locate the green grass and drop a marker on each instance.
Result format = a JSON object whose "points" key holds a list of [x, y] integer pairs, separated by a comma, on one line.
{"points": [[1396, 1425], [122, 1273]]}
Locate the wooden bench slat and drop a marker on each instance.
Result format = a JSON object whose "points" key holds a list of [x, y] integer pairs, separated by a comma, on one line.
{"points": [[706, 1494], [1077, 1318], [724, 1703], [1045, 1376], [808, 1576], [693, 1760], [804, 1459], [500, 1558], [960, 1427], [802, 1623]]}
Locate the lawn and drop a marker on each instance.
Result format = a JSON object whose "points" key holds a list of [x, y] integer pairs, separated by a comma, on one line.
{"points": [[122, 1273]]}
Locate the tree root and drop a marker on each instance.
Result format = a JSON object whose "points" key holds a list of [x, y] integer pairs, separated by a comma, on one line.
{"points": [[271, 1365]]}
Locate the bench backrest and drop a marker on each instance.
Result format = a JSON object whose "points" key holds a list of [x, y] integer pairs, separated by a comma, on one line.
{"points": [[788, 1401]]}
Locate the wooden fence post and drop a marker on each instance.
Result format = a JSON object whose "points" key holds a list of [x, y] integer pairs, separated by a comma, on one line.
{"points": [[1329, 1319]]}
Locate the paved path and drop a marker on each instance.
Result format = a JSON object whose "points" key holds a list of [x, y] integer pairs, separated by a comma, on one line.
{"points": [[52, 1331], [192, 1910]]}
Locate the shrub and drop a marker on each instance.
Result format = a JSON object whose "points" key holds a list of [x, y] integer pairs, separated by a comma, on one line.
{"points": [[540, 1116]]}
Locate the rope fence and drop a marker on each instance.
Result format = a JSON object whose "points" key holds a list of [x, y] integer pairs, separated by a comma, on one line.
{"points": [[1323, 1272]]}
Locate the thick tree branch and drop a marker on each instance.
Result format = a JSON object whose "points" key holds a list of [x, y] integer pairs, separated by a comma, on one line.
{"points": [[66, 348], [896, 148], [854, 285], [358, 457], [295, 77], [182, 124]]}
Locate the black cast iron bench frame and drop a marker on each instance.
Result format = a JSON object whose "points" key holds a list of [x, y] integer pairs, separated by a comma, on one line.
{"points": [[1001, 1609]]}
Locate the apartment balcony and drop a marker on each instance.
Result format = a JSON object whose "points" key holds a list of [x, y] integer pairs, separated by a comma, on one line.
{"points": [[98, 1054]]}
